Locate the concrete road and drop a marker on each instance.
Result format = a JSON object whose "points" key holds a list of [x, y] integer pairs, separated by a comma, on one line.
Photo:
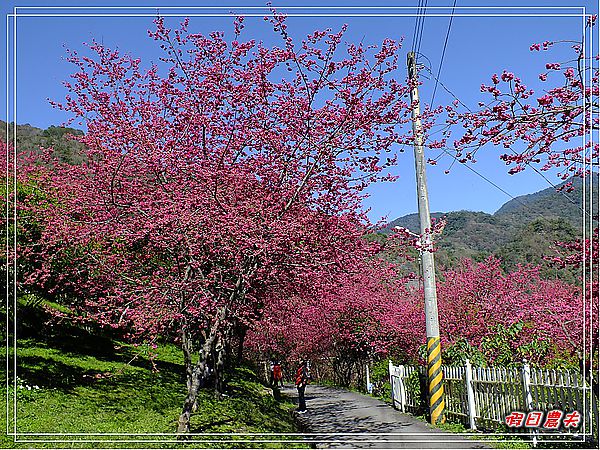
{"points": [[361, 421]]}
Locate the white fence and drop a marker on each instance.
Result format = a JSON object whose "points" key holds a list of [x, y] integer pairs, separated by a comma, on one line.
{"points": [[477, 396], [404, 381]]}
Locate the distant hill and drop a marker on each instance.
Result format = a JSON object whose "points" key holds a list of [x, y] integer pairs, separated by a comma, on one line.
{"points": [[550, 203], [31, 138], [521, 231]]}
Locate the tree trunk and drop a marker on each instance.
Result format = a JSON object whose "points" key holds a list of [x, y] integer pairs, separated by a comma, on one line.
{"points": [[228, 359], [240, 349], [187, 348], [220, 366], [183, 425]]}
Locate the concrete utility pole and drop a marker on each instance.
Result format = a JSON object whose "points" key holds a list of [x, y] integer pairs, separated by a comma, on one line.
{"points": [[434, 355]]}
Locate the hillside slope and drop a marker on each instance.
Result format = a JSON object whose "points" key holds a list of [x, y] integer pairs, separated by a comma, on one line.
{"points": [[521, 231], [31, 138]]}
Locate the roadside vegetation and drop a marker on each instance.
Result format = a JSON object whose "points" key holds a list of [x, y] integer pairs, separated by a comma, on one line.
{"points": [[73, 380]]}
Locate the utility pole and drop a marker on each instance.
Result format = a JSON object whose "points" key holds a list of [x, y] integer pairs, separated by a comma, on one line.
{"points": [[435, 375]]}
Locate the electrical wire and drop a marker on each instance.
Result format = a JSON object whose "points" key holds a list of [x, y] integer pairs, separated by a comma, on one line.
{"points": [[443, 53], [485, 178], [527, 207], [416, 48], [535, 169], [422, 55], [447, 90], [415, 31], [419, 26], [422, 27]]}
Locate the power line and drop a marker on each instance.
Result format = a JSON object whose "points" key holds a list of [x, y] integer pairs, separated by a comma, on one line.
{"points": [[535, 169], [443, 53], [415, 31], [422, 27], [495, 185], [419, 55], [528, 164], [483, 177], [437, 81], [419, 26], [416, 47]]}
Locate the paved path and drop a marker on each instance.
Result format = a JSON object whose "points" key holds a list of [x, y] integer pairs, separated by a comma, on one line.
{"points": [[333, 410]]}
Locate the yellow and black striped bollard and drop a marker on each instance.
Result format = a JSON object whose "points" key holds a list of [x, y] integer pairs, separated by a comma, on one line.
{"points": [[435, 381]]}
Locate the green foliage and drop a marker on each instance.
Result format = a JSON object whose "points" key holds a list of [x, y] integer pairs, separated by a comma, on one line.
{"points": [[499, 441], [413, 384], [127, 392], [453, 427], [380, 378], [534, 241], [31, 139], [459, 351], [26, 234], [380, 371], [506, 348], [498, 345], [566, 362]]}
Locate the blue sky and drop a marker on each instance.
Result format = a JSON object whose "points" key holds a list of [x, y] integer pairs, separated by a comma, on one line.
{"points": [[477, 47]]}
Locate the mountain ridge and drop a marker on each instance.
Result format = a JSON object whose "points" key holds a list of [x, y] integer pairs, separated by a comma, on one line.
{"points": [[521, 231], [534, 205]]}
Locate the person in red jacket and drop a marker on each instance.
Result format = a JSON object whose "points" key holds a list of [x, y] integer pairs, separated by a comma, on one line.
{"points": [[277, 374], [302, 379]]}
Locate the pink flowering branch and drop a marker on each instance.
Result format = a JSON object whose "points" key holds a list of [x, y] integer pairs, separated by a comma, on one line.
{"points": [[544, 129]]}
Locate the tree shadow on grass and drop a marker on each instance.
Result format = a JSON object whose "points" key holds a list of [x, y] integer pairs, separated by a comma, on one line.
{"points": [[210, 426], [75, 339], [50, 373], [36, 323], [75, 342]]}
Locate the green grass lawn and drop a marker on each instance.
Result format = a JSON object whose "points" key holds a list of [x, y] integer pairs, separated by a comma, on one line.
{"points": [[96, 385]]}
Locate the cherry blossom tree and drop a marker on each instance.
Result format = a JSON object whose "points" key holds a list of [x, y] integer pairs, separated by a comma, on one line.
{"points": [[476, 298], [371, 312], [549, 129], [583, 255], [228, 174], [357, 316], [21, 190]]}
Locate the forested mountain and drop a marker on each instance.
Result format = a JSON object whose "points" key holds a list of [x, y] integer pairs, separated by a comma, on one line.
{"points": [[550, 203], [521, 231], [31, 138]]}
